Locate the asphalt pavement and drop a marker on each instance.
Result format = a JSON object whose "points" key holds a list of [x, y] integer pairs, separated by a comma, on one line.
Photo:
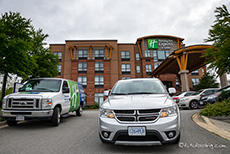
{"points": [[80, 135]]}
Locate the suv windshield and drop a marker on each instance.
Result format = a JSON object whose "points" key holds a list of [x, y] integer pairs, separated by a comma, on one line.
{"points": [[42, 85], [138, 87], [198, 92]]}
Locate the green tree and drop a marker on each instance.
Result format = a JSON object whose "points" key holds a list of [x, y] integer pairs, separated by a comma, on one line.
{"points": [[15, 44], [46, 62], [22, 50], [219, 34], [207, 81]]}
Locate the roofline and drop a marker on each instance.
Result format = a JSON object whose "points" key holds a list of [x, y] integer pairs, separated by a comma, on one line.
{"points": [[144, 37], [87, 40]]}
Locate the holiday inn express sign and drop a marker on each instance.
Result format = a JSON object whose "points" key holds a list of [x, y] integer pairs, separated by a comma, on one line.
{"points": [[152, 43], [163, 44]]}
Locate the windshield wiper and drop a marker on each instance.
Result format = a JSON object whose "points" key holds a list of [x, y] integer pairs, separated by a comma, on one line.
{"points": [[118, 93], [142, 93]]}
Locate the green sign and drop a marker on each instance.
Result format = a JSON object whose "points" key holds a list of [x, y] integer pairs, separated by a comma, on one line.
{"points": [[152, 44], [74, 96]]}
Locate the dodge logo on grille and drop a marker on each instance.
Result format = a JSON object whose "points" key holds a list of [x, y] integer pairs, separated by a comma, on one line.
{"points": [[22, 103]]}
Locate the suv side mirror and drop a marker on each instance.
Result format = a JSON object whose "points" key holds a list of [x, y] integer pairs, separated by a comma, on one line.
{"points": [[172, 90], [65, 90], [106, 93]]}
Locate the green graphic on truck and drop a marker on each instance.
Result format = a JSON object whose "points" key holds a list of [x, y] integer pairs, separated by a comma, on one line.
{"points": [[74, 96]]}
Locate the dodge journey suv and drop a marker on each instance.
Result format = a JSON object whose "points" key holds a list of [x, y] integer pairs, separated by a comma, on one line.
{"points": [[139, 112]]}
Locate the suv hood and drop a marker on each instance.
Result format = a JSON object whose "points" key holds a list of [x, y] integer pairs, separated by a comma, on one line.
{"points": [[145, 101]]}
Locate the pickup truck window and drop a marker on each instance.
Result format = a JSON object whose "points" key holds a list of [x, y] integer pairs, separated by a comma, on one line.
{"points": [[42, 85], [138, 87]]}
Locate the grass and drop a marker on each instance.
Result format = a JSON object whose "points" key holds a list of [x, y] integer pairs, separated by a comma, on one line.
{"points": [[94, 106], [217, 109]]}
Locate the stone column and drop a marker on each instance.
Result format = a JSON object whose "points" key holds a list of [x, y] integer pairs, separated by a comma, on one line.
{"points": [[184, 80], [223, 80]]}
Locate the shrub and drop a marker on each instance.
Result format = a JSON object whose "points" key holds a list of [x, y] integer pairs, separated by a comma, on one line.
{"points": [[225, 94], [217, 109], [94, 106]]}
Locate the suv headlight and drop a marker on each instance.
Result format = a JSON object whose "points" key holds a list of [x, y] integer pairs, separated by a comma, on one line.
{"points": [[171, 111], [46, 103], [212, 96], [106, 113]]}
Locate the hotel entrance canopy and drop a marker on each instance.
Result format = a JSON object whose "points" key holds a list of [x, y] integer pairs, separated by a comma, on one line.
{"points": [[182, 61]]}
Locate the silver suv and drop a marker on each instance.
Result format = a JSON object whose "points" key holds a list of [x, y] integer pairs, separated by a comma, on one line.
{"points": [[139, 112]]}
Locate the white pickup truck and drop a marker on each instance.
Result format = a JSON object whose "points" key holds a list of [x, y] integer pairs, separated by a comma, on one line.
{"points": [[43, 99]]}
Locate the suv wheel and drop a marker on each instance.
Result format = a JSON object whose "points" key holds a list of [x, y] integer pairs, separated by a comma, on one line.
{"points": [[193, 104]]}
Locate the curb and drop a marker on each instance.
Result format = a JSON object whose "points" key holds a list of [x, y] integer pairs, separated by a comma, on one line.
{"points": [[205, 123], [2, 123]]}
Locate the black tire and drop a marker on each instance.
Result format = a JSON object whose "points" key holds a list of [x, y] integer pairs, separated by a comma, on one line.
{"points": [[177, 140], [56, 118], [102, 140], [79, 111], [193, 104], [11, 123]]}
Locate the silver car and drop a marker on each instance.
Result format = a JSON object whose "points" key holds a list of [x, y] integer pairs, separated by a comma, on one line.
{"points": [[139, 112]]}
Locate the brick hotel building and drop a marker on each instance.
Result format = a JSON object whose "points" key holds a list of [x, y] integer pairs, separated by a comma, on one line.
{"points": [[98, 64]]}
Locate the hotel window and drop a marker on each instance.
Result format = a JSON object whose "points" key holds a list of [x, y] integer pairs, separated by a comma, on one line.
{"points": [[167, 53], [177, 82], [98, 98], [82, 67], [59, 69], [155, 55], [82, 80], [137, 56], [195, 81], [59, 54], [156, 65], [147, 53], [125, 68], [82, 54], [138, 69], [99, 81], [99, 54], [125, 56], [99, 67], [148, 68], [161, 55], [195, 73]]}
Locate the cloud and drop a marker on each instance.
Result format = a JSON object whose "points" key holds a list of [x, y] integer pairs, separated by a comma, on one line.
{"points": [[118, 19]]}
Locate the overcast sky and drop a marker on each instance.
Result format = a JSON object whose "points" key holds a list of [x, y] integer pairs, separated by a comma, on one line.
{"points": [[123, 20]]}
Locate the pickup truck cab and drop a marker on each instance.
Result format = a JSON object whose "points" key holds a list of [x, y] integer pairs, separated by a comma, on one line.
{"points": [[43, 99]]}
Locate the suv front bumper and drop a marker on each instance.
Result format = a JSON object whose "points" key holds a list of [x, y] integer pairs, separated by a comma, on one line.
{"points": [[155, 132], [28, 114]]}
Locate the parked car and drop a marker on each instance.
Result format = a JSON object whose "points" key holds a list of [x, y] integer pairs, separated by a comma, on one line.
{"points": [[43, 99], [139, 112], [192, 101], [182, 94], [212, 98]]}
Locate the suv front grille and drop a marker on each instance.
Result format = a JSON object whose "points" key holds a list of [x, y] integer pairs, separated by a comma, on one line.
{"points": [[24, 104], [133, 116]]}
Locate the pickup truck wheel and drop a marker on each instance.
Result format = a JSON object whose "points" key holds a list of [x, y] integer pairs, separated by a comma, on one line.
{"points": [[79, 111], [11, 123], [56, 117], [193, 104]]}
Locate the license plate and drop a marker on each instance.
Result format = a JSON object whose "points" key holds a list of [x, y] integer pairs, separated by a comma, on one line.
{"points": [[136, 131], [20, 118]]}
